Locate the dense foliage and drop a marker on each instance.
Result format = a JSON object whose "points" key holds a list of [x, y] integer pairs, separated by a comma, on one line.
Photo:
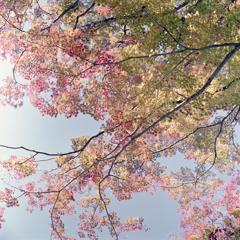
{"points": [[164, 78]]}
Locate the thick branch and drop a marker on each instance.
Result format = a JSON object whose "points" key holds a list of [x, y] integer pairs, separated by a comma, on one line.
{"points": [[195, 95], [188, 100], [73, 5], [92, 24], [181, 6], [82, 14]]}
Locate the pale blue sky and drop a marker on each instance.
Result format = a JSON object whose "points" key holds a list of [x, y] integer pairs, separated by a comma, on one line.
{"points": [[26, 127]]}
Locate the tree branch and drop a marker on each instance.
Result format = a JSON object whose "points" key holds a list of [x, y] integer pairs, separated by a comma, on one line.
{"points": [[73, 5], [55, 154], [81, 15], [188, 100]]}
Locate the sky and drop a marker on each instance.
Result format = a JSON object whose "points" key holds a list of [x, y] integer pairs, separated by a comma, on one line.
{"points": [[26, 127]]}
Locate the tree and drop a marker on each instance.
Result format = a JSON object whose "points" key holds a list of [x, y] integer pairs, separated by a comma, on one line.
{"points": [[164, 78]]}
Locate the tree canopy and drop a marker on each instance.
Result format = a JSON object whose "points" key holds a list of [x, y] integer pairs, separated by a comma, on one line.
{"points": [[163, 76]]}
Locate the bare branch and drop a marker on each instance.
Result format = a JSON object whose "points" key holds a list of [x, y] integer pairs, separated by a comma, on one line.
{"points": [[81, 15], [92, 24], [72, 6], [191, 133], [56, 154], [10, 23], [182, 5]]}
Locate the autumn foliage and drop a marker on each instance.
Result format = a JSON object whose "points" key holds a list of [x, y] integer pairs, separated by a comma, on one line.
{"points": [[163, 76]]}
